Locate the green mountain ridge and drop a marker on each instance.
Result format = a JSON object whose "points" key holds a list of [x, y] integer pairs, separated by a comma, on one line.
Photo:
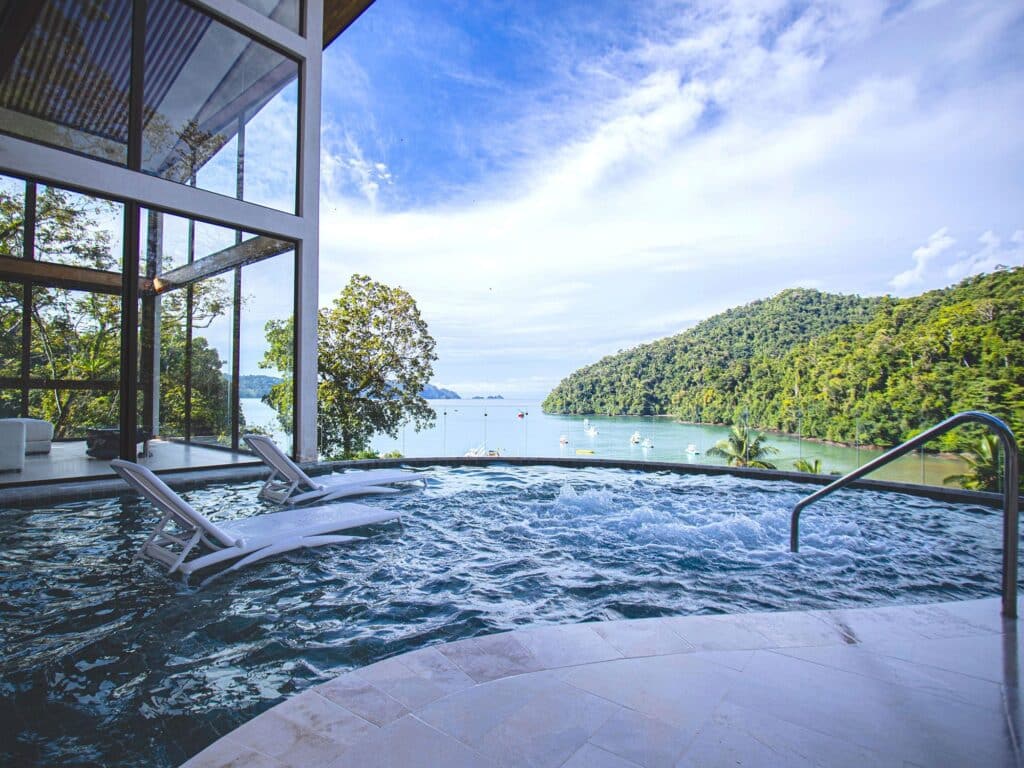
{"points": [[832, 366]]}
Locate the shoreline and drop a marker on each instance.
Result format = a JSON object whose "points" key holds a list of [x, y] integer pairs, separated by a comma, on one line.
{"points": [[780, 433]]}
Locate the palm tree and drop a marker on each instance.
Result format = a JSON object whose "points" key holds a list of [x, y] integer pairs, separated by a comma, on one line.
{"points": [[803, 465], [744, 448], [982, 467]]}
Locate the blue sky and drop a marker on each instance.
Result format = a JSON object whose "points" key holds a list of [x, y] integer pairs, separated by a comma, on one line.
{"points": [[554, 182]]}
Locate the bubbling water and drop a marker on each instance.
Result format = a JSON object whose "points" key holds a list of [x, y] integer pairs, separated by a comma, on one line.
{"points": [[108, 660]]}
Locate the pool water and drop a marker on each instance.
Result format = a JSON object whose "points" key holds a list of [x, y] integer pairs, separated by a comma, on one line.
{"points": [[107, 660]]}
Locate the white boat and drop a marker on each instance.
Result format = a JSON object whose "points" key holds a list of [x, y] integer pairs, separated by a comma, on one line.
{"points": [[634, 439], [480, 451], [563, 440], [691, 450], [647, 443], [591, 431]]}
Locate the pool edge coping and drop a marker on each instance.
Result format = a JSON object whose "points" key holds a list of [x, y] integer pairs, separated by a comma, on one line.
{"points": [[20, 496]]}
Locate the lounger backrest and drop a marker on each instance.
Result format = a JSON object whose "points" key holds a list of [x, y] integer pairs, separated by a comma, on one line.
{"points": [[278, 460], [160, 495]]}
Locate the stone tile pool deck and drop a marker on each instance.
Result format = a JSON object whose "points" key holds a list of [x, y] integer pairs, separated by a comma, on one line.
{"points": [[924, 685]]}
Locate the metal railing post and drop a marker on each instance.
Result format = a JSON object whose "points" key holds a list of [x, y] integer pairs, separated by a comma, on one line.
{"points": [[1011, 511]]}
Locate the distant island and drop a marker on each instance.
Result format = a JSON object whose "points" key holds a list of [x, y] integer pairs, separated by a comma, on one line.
{"points": [[258, 386], [430, 392], [487, 397], [840, 368]]}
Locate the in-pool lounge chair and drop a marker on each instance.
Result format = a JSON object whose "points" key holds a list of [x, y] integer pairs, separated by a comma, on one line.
{"points": [[182, 529], [288, 484]]}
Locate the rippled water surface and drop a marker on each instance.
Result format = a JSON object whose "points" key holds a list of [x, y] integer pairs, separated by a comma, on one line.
{"points": [[106, 660]]}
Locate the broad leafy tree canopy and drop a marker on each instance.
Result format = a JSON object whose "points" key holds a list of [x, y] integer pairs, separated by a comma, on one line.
{"points": [[376, 355]]}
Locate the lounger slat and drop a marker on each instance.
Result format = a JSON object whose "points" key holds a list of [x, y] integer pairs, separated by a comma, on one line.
{"points": [[247, 540]]}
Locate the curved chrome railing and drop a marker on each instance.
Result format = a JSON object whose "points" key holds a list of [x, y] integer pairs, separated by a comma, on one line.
{"points": [[1011, 471]]}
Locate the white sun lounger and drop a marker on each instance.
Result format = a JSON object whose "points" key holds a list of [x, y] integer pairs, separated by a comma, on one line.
{"points": [[288, 484], [181, 528]]}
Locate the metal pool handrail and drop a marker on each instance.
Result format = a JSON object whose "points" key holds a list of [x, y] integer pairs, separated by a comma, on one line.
{"points": [[1010, 490]]}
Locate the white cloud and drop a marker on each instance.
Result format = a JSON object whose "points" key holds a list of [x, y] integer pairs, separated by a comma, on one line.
{"points": [[991, 254], [700, 168], [937, 244]]}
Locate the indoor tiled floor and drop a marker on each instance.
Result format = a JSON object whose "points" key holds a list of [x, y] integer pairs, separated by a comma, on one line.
{"points": [[931, 685], [68, 460]]}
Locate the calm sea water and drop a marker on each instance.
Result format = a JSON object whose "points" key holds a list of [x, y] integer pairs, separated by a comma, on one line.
{"points": [[463, 425]]}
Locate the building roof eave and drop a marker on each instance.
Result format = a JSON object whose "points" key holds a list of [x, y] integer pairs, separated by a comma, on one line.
{"points": [[339, 16]]}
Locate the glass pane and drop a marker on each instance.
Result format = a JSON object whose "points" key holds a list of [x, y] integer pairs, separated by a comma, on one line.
{"points": [[211, 359], [77, 229], [165, 243], [10, 403], [266, 354], [76, 335], [68, 83], [284, 12], [271, 151], [204, 83], [11, 298], [171, 414], [75, 411], [12, 217]]}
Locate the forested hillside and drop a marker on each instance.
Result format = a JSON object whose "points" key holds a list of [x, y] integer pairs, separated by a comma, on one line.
{"points": [[836, 367], [712, 358]]}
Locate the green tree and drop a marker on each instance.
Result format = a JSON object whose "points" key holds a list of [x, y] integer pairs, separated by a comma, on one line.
{"points": [[810, 467], [75, 335], [744, 448], [982, 467], [375, 356], [211, 391]]}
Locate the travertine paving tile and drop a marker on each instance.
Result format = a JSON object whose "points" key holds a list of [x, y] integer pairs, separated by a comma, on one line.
{"points": [[785, 630], [554, 647], [312, 712], [717, 633], [470, 714], [751, 736], [983, 614], [642, 637], [225, 753], [939, 682], [492, 657], [642, 740], [888, 719], [418, 678], [284, 740], [589, 756], [546, 730], [904, 686], [362, 698], [411, 743], [989, 657], [682, 689], [868, 626]]}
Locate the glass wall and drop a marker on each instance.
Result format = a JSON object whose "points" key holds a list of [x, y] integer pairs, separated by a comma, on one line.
{"points": [[284, 12], [266, 347], [12, 216], [205, 84], [69, 80], [211, 359], [167, 88], [79, 230], [60, 338], [205, 88], [215, 290]]}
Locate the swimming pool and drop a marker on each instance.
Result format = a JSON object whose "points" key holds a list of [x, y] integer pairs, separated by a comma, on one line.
{"points": [[106, 660]]}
